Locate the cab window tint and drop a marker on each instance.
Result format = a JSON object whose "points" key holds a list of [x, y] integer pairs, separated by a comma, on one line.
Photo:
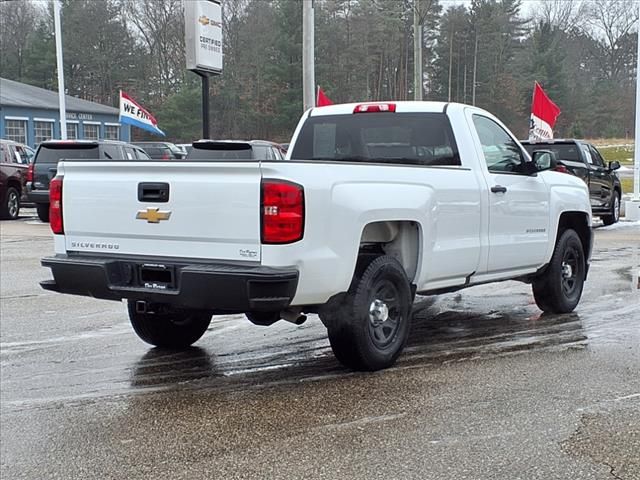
{"points": [[501, 153], [399, 138]]}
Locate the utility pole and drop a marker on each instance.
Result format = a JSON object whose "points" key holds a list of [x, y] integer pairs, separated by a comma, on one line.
{"points": [[417, 52], [636, 163], [308, 57], [60, 65], [475, 70], [632, 207], [450, 59]]}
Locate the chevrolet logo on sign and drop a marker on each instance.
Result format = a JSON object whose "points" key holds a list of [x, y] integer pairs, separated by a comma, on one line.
{"points": [[204, 20], [152, 215]]}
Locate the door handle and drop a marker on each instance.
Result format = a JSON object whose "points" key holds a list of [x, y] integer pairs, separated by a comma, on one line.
{"points": [[499, 189]]}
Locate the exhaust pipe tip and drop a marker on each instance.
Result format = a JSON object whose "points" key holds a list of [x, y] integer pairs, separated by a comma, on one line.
{"points": [[293, 316], [300, 320]]}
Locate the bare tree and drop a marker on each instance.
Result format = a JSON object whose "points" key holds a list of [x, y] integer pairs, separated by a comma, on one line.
{"points": [[564, 14], [16, 23], [610, 23], [160, 24]]}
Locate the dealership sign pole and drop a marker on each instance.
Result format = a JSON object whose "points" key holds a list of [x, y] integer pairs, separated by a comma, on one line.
{"points": [[203, 38], [61, 97], [632, 207]]}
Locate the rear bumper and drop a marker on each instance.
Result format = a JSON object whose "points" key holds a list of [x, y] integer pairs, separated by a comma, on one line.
{"points": [[37, 196], [221, 288]]}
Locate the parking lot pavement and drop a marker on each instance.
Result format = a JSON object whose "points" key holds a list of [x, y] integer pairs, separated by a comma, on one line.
{"points": [[488, 388]]}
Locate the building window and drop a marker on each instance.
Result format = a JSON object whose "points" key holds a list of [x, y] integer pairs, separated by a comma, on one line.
{"points": [[91, 132], [72, 131], [16, 130], [111, 132], [43, 131]]}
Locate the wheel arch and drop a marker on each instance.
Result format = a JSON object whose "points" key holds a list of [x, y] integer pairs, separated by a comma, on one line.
{"points": [[578, 222], [400, 239], [15, 184]]}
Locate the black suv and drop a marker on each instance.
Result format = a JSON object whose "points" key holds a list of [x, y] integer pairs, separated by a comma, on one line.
{"points": [[14, 164], [162, 150], [234, 150], [583, 160], [49, 153]]}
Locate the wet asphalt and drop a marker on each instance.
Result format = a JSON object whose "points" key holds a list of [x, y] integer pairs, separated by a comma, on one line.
{"points": [[488, 388]]}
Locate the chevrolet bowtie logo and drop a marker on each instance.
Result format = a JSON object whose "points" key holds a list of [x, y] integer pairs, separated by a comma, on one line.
{"points": [[204, 20], [152, 215]]}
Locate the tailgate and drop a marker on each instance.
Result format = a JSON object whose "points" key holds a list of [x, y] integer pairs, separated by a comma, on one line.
{"points": [[212, 210]]}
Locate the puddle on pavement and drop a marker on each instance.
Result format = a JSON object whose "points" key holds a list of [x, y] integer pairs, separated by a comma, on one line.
{"points": [[439, 334]]}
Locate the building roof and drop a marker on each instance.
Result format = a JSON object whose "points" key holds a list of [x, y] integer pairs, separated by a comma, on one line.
{"points": [[16, 94]]}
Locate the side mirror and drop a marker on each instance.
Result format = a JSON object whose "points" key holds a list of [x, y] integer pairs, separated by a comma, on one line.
{"points": [[615, 165], [544, 160]]}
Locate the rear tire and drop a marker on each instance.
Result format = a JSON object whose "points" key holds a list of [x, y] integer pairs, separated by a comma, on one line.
{"points": [[43, 212], [559, 288], [10, 208], [168, 327], [615, 211], [369, 330]]}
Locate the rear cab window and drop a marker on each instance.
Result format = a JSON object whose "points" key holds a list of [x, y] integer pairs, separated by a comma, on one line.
{"points": [[383, 137], [563, 151]]}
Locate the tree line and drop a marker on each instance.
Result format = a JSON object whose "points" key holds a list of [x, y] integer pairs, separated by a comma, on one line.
{"points": [[487, 52]]}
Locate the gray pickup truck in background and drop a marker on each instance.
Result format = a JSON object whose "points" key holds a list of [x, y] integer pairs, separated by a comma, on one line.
{"points": [[583, 160]]}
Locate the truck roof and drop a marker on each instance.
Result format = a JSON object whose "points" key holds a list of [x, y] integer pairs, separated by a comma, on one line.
{"points": [[401, 107]]}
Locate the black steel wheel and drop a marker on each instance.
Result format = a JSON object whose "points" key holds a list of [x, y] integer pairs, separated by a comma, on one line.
{"points": [[559, 288], [169, 327], [11, 204], [371, 327]]}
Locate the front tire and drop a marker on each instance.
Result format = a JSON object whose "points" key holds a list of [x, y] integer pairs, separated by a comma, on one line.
{"points": [[615, 211], [43, 212], [10, 208], [559, 288], [168, 327], [371, 327]]}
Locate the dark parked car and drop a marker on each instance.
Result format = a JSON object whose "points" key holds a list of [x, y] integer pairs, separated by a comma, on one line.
{"points": [[583, 160], [49, 153], [14, 164], [162, 150], [235, 149]]}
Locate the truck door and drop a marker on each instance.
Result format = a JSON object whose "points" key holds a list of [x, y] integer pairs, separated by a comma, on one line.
{"points": [[518, 202], [601, 182]]}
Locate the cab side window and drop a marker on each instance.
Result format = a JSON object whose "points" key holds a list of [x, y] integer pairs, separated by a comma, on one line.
{"points": [[142, 155], [501, 153], [22, 155], [598, 161], [4, 153], [587, 154]]}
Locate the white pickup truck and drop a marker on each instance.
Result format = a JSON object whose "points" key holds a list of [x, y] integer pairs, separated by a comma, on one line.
{"points": [[374, 203]]}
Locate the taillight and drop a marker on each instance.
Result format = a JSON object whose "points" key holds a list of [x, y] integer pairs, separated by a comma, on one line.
{"points": [[282, 212], [30, 173], [55, 205], [375, 107], [561, 169], [165, 156]]}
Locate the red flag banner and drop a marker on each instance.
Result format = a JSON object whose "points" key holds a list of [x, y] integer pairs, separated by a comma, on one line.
{"points": [[322, 100], [543, 115]]}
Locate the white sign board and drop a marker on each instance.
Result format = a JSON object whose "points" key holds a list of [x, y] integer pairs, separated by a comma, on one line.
{"points": [[203, 31]]}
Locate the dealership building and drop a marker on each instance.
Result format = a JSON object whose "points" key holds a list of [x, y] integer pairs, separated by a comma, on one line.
{"points": [[31, 115]]}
